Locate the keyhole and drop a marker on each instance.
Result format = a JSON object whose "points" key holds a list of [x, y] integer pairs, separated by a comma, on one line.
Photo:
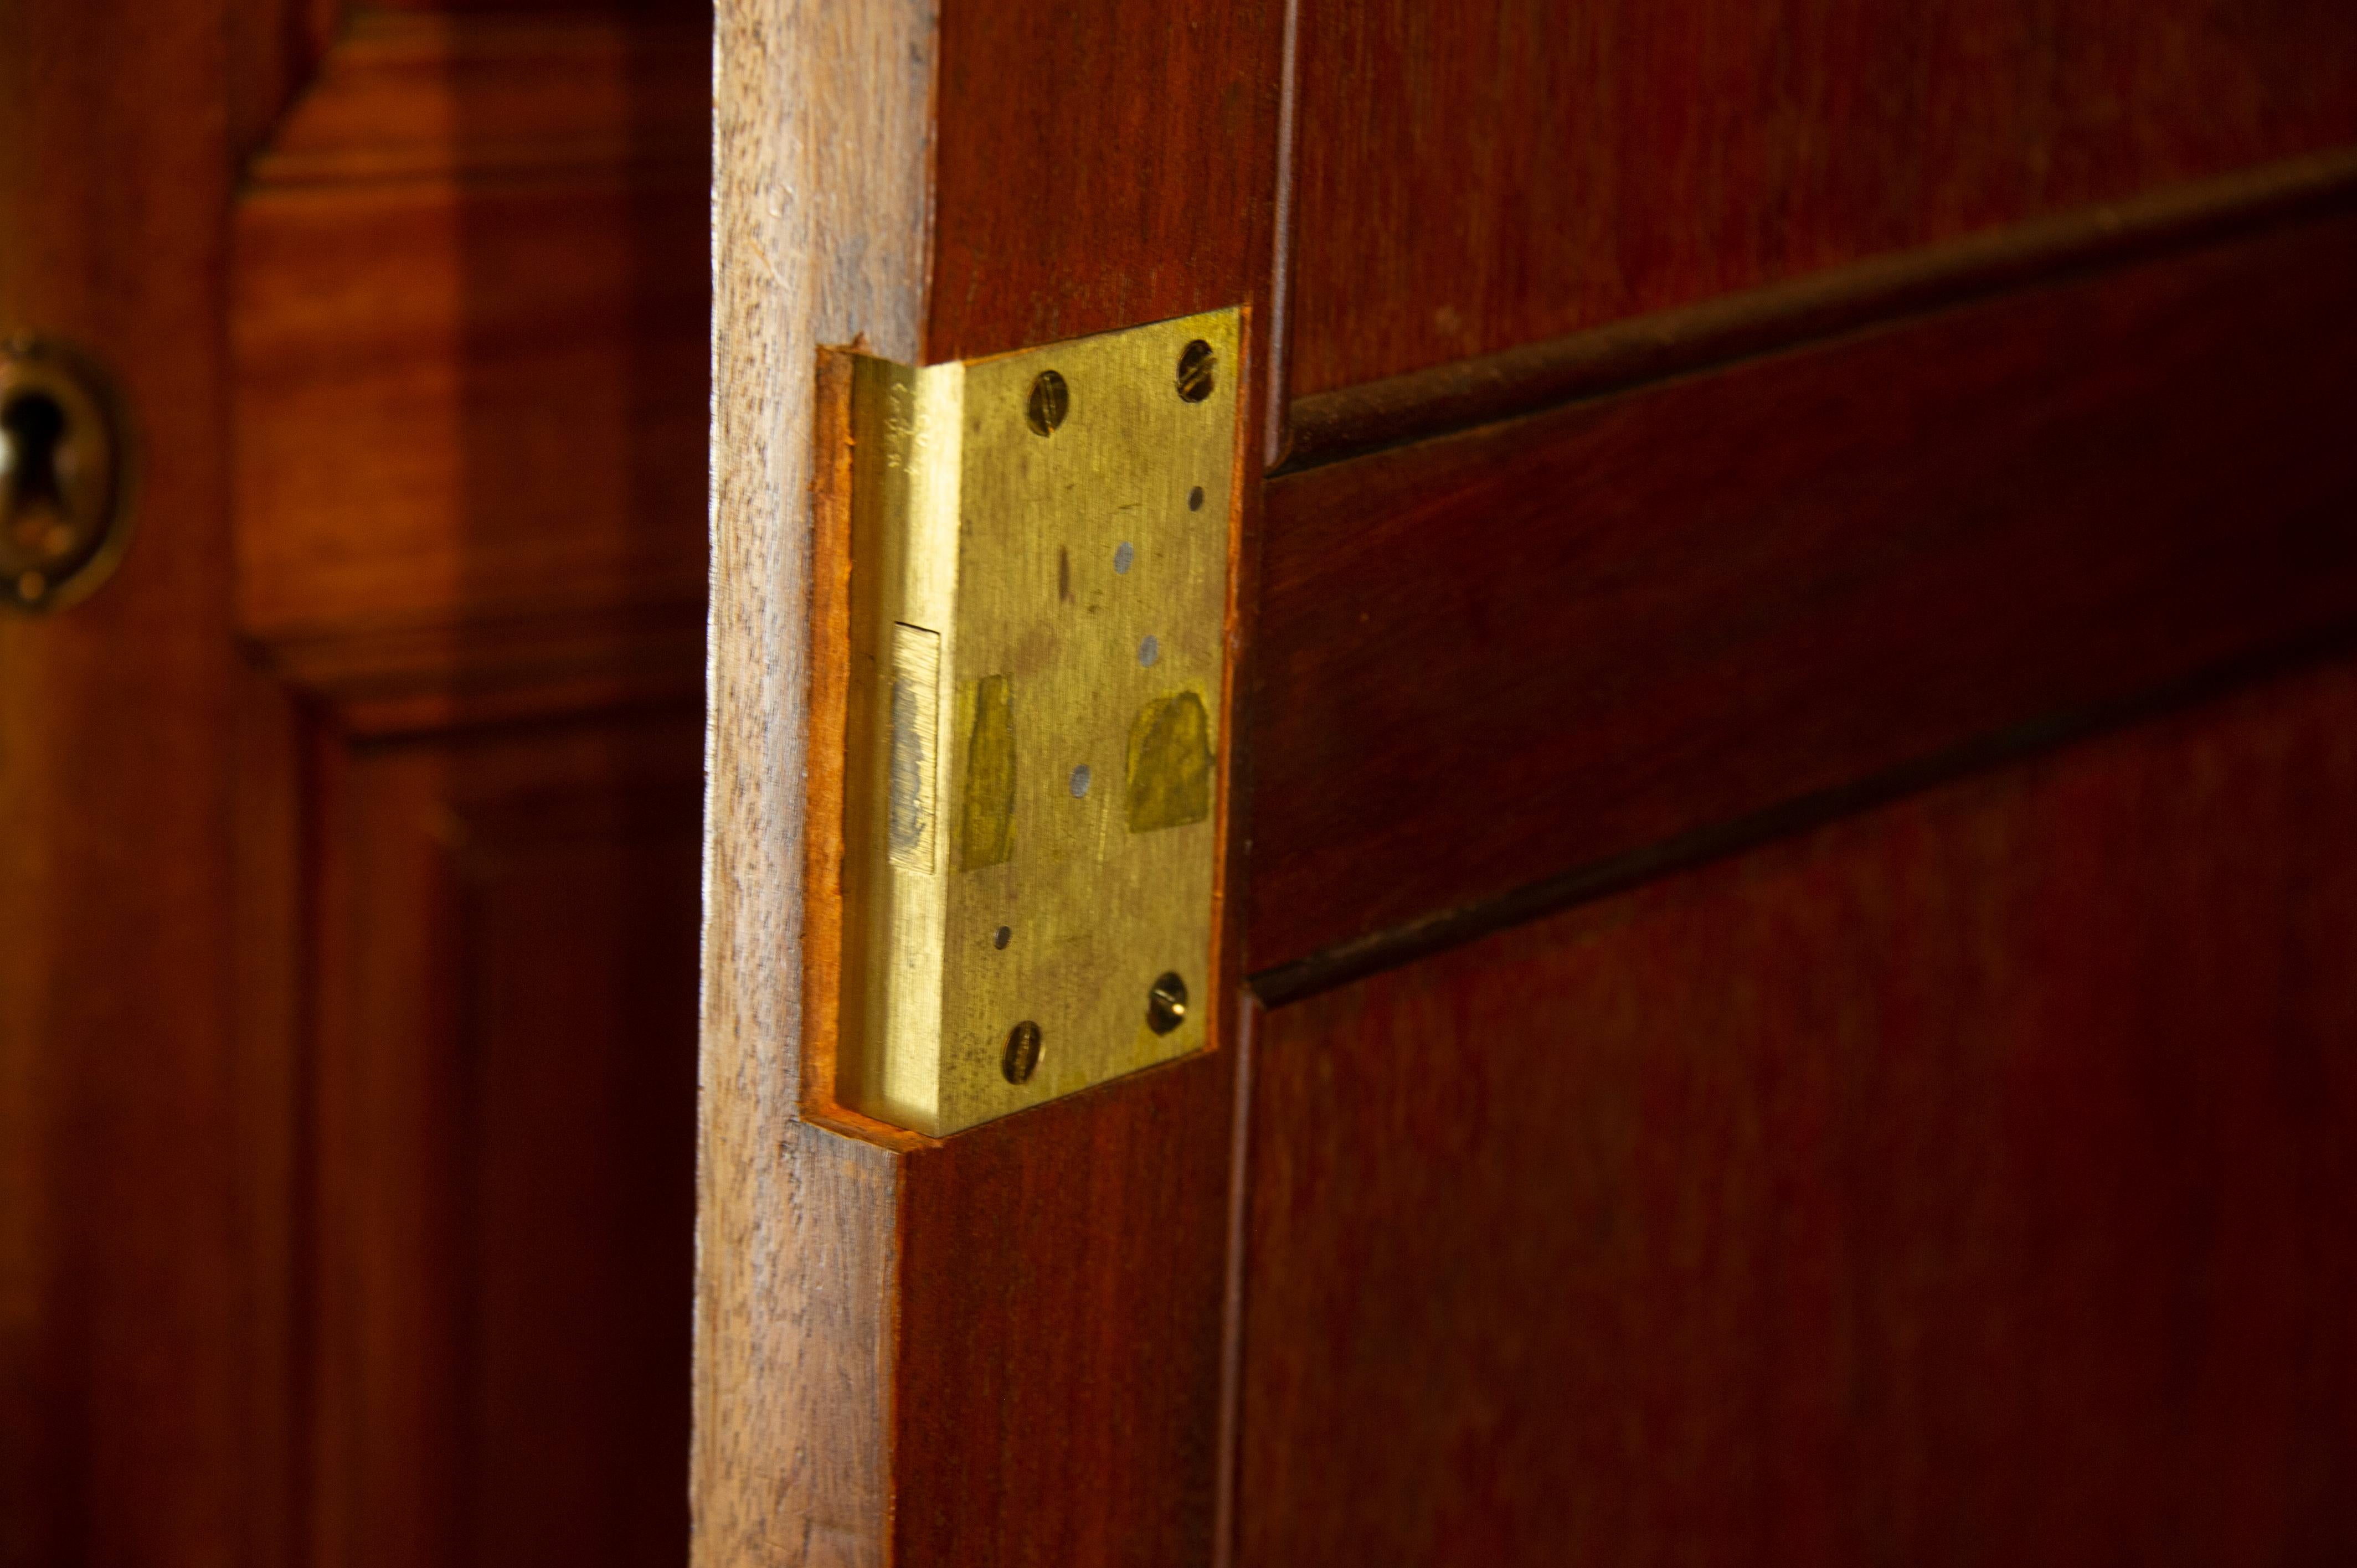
{"points": [[32, 429]]}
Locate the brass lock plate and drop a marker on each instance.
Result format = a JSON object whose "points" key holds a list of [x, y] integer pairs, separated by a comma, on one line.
{"points": [[1039, 570]]}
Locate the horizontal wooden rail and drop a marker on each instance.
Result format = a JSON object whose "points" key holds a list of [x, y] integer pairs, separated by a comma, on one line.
{"points": [[1511, 666], [1333, 426]]}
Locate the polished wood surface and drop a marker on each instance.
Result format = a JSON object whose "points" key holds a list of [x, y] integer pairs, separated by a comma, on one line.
{"points": [[1097, 165], [503, 1127], [1460, 394], [2010, 474], [1541, 648], [1506, 171], [126, 1292], [469, 323], [1966, 1181], [346, 1084], [467, 307]]}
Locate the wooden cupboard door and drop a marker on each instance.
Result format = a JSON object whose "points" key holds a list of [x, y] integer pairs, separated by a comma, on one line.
{"points": [[1790, 865], [346, 1075]]}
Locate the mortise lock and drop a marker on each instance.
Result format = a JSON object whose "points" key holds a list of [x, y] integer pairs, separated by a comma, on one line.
{"points": [[64, 476], [1040, 550]]}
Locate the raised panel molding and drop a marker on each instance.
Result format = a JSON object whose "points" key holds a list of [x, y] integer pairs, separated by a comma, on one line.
{"points": [[469, 299]]}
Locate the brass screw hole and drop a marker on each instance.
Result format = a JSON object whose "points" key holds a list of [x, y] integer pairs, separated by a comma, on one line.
{"points": [[1166, 1004], [1022, 1058], [1051, 401], [1196, 364]]}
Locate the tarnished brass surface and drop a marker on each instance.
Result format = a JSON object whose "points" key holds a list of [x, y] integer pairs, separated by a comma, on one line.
{"points": [[1039, 584], [64, 476]]}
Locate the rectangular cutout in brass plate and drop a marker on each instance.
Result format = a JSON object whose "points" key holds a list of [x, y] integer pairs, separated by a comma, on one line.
{"points": [[1039, 551]]}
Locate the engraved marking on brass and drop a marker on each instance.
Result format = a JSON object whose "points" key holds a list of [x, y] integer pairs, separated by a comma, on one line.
{"points": [[1048, 513], [1169, 764], [986, 799], [916, 706], [64, 477]]}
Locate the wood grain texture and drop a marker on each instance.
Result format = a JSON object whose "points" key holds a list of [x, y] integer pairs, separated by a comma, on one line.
{"points": [[820, 166], [836, 1426], [469, 323], [1526, 651], [1099, 163], [1346, 422], [1965, 1182], [126, 1437], [502, 1121], [1490, 174], [1061, 1278]]}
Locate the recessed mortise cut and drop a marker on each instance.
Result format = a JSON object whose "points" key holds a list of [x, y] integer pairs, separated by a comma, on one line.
{"points": [[1021, 1058], [1197, 365], [916, 698], [1050, 403], [986, 795], [1169, 782], [1166, 1004]]}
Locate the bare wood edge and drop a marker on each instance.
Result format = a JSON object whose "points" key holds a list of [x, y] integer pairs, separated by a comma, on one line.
{"points": [[821, 157], [1351, 422]]}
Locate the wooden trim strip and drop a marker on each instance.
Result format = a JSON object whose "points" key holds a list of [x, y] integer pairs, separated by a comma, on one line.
{"points": [[1331, 427], [1667, 624], [1418, 939]]}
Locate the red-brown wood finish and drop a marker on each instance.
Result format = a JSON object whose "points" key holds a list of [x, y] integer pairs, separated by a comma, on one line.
{"points": [[1540, 648], [1473, 176], [125, 1434], [503, 1114], [1099, 163], [469, 321], [1969, 1181], [1058, 1365], [1061, 1325], [468, 330]]}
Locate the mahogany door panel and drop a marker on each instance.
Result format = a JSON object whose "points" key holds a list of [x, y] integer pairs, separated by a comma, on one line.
{"points": [[1785, 609], [468, 310], [1965, 1181], [1481, 176], [1557, 647], [350, 890], [122, 1286], [501, 1092]]}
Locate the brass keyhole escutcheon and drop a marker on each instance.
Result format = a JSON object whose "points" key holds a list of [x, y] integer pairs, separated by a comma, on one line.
{"points": [[64, 476]]}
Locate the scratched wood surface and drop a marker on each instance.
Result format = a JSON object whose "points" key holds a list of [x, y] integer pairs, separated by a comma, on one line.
{"points": [[820, 125], [1485, 175], [1968, 1181]]}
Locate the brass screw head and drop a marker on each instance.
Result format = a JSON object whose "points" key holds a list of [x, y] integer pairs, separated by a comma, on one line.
{"points": [[1051, 401], [1166, 1004], [1022, 1058], [1197, 364]]}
